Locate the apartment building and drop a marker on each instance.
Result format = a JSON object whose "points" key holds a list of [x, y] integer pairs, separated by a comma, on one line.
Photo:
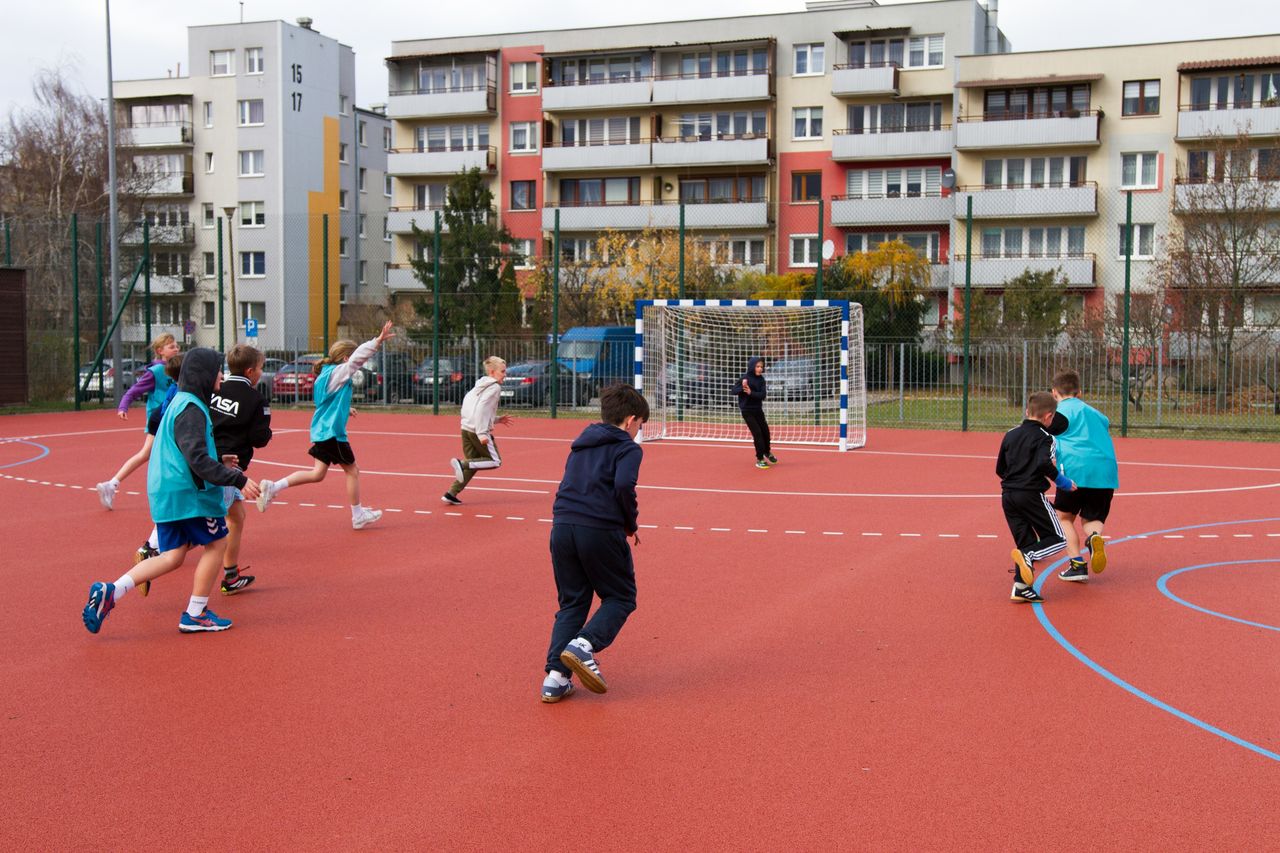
{"points": [[750, 121], [258, 142], [1048, 144]]}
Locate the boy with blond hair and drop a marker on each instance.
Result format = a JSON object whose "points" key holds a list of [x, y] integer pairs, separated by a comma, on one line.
{"points": [[479, 414]]}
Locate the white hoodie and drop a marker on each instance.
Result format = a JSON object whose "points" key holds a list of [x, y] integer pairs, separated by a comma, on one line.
{"points": [[480, 406]]}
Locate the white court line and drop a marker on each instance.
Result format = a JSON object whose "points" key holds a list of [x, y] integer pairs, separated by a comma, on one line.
{"points": [[721, 530], [756, 530]]}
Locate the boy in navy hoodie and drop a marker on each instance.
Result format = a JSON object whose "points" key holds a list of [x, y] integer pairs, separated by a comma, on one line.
{"points": [[594, 512]]}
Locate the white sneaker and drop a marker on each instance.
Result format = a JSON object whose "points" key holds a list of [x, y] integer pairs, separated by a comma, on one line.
{"points": [[266, 491], [457, 469], [106, 494], [365, 518]]}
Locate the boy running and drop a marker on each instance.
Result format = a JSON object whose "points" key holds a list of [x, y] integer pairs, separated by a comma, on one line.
{"points": [[479, 414], [1086, 451]]}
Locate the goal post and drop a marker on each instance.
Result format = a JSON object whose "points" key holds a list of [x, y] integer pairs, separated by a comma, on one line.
{"points": [[691, 355]]}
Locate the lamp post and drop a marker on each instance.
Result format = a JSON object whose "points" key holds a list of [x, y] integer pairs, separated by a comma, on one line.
{"points": [[229, 210]]}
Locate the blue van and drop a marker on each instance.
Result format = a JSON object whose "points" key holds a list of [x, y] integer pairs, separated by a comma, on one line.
{"points": [[600, 355]]}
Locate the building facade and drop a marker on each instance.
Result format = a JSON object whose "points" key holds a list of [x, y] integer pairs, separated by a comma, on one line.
{"points": [[245, 158]]}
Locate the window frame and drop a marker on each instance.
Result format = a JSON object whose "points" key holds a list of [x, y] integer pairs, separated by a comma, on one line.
{"points": [[1141, 158], [524, 82], [809, 123], [249, 56], [230, 54], [810, 241], [249, 259], [532, 196], [1142, 98], [256, 210], [246, 312], [261, 162], [807, 50], [1139, 228], [244, 112], [531, 129], [806, 177]]}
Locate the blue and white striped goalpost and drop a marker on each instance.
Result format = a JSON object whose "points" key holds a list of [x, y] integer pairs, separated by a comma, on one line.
{"points": [[692, 353]]}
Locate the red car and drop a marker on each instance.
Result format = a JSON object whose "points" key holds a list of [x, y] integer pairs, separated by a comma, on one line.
{"points": [[294, 382]]}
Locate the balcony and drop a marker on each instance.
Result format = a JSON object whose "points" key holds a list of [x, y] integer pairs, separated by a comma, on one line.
{"points": [[161, 285], [399, 219], [160, 135], [939, 276], [161, 235], [597, 95], [849, 81], [436, 103], [1197, 122], [727, 150], [1025, 202], [166, 183], [405, 162], [996, 271], [891, 210], [1243, 196], [136, 333], [596, 155], [401, 277], [682, 89], [637, 217], [892, 145], [1069, 127]]}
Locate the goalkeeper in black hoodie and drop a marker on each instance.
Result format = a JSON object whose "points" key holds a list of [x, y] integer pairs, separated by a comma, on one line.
{"points": [[241, 423]]}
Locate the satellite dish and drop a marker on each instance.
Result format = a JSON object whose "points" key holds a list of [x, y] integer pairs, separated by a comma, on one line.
{"points": [[949, 179], [828, 250]]}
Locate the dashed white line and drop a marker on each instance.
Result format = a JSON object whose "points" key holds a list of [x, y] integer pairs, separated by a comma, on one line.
{"points": [[909, 534], [392, 509], [306, 504], [1241, 535], [988, 536], [756, 530], [867, 533], [515, 518], [833, 533], [335, 506], [455, 514], [678, 527], [794, 532], [949, 535], [721, 530], [1173, 536], [1208, 536], [422, 512], [483, 515]]}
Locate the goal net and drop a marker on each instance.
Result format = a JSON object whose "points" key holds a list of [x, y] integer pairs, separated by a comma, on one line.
{"points": [[691, 354]]}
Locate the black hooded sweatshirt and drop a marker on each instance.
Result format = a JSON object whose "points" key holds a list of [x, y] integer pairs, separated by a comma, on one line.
{"points": [[599, 485], [200, 369], [752, 401]]}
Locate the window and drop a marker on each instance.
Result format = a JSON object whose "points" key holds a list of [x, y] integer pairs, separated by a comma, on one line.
{"points": [[575, 250], [253, 311], [524, 77], [253, 62], [1036, 102], [342, 152], [361, 127], [208, 162], [615, 130], [925, 51], [1266, 310], [250, 112], [251, 164], [810, 59], [364, 268], [591, 192], [722, 188], [253, 214], [910, 182], [931, 315], [724, 125], [1139, 170], [1034, 172], [1141, 97], [342, 199], [807, 123], [1144, 234], [1048, 242], [429, 196], [208, 314], [806, 186], [343, 101], [527, 254], [524, 136], [210, 265], [222, 63], [523, 195], [386, 139], [206, 215], [386, 185], [925, 243], [170, 263], [453, 137], [895, 117], [805, 250], [208, 113], [253, 264], [361, 221], [360, 177], [342, 247]]}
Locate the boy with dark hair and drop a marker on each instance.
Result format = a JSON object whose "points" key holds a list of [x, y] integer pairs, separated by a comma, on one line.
{"points": [[1087, 453], [183, 487], [241, 423], [594, 512], [1027, 464]]}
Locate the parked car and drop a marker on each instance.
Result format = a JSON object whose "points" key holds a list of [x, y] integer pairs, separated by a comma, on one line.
{"points": [[790, 379], [457, 376], [392, 377], [293, 382], [529, 384], [269, 368], [132, 367], [696, 384]]}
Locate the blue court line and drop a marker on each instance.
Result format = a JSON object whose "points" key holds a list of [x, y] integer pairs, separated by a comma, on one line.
{"points": [[1120, 682], [1163, 585], [44, 451]]}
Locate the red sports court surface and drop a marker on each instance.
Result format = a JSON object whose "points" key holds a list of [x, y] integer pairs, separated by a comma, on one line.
{"points": [[824, 657]]}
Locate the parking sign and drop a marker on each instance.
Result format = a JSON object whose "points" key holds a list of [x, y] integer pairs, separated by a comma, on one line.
{"points": [[250, 327]]}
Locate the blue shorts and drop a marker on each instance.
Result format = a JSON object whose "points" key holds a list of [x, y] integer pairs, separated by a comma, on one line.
{"points": [[190, 531], [230, 494]]}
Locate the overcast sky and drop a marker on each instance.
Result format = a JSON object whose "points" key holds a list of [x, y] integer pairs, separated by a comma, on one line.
{"points": [[149, 36]]}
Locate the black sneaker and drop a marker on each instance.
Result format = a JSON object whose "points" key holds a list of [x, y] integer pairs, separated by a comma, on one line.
{"points": [[1097, 552], [1022, 567], [773, 460], [1077, 571], [236, 582], [1025, 593], [451, 498]]}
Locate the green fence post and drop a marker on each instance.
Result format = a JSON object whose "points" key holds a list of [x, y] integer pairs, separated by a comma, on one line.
{"points": [[555, 315], [818, 282], [1128, 259], [222, 298], [324, 247], [101, 300], [75, 303], [968, 296], [146, 280], [680, 280], [435, 318]]}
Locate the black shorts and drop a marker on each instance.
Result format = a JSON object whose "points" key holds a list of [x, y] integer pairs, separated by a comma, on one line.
{"points": [[333, 452], [1089, 504], [153, 422]]}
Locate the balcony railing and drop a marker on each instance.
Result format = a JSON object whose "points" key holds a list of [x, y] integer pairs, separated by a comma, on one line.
{"points": [[638, 215], [597, 154], [907, 143], [997, 270], [635, 90], [401, 277], [1029, 130], [720, 150], [157, 135], [161, 235], [1243, 195], [897, 209], [1078, 199], [1199, 121], [478, 99], [167, 183], [751, 85], [163, 283], [414, 161], [400, 219], [868, 79]]}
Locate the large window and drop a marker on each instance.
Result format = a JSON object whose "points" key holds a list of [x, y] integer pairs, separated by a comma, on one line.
{"points": [[909, 182], [806, 250], [253, 61], [616, 130], [222, 63], [1144, 240], [721, 125], [1037, 102], [807, 122], [927, 51], [1052, 241], [251, 112], [590, 192], [601, 69], [251, 164], [722, 189], [159, 115], [806, 186], [253, 311], [895, 117], [742, 251], [453, 137], [170, 263], [210, 265], [1236, 91], [926, 243], [809, 59], [430, 196], [253, 264], [524, 77], [1141, 97], [523, 195], [452, 78], [524, 136], [253, 214], [1139, 170], [1034, 172]]}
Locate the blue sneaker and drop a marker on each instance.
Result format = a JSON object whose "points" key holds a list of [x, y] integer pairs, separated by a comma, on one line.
{"points": [[102, 598], [556, 692], [583, 663], [206, 621]]}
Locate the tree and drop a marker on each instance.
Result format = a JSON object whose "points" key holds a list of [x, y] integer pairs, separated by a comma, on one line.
{"points": [[478, 292], [1223, 250], [889, 282]]}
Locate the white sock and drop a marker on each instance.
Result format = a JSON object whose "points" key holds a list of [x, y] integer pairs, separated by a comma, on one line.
{"points": [[356, 510], [122, 586], [196, 605], [555, 679], [584, 643], [154, 539], [278, 486], [115, 484]]}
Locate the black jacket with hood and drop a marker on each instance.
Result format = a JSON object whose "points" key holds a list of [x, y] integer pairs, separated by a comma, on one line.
{"points": [[200, 369], [599, 485], [752, 401]]}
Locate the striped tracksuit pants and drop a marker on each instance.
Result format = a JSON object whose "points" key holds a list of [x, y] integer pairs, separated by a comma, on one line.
{"points": [[476, 457], [1033, 523]]}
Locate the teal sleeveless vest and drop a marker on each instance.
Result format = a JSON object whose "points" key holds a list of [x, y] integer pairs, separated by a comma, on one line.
{"points": [[156, 398], [333, 408], [171, 487]]}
